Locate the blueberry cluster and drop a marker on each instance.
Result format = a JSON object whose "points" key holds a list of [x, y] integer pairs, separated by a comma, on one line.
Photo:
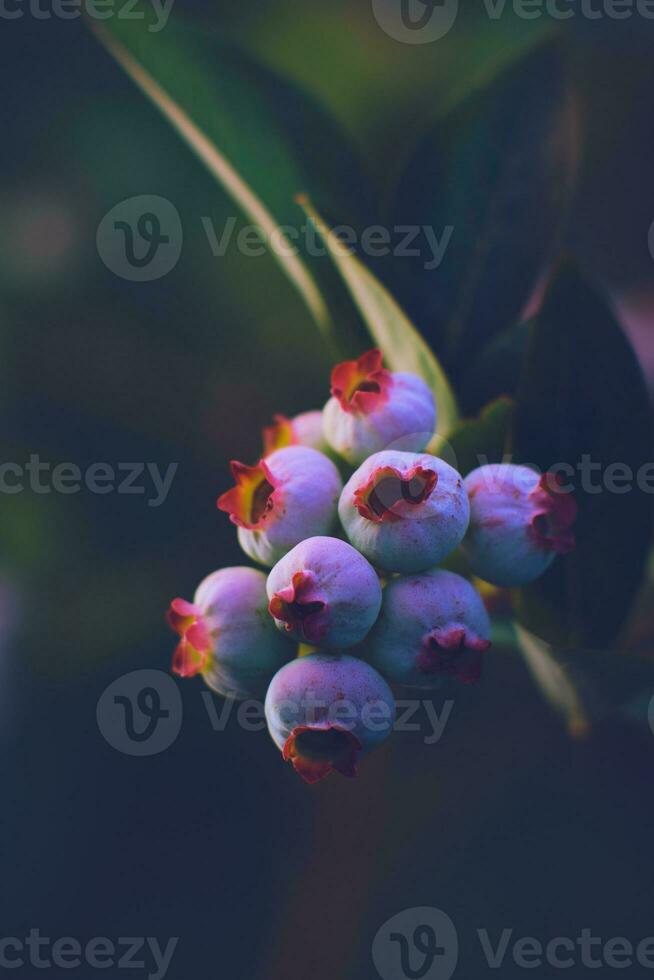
{"points": [[338, 617]]}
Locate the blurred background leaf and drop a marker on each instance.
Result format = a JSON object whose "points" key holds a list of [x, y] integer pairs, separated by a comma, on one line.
{"points": [[477, 441], [555, 683], [262, 138], [583, 394], [498, 170], [403, 347], [589, 686], [495, 370]]}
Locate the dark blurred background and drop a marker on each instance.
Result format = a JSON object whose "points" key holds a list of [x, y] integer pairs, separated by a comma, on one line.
{"points": [[505, 822]]}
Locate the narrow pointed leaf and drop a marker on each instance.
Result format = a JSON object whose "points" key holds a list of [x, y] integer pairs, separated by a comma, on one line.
{"points": [[403, 347], [261, 138], [555, 683]]}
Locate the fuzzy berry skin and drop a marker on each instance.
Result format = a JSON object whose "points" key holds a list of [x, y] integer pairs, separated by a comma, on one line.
{"points": [[325, 712], [519, 522], [432, 626], [289, 495], [302, 430], [373, 409], [226, 634], [404, 511], [324, 593]]}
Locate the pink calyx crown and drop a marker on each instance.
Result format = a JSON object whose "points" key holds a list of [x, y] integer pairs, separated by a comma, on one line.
{"points": [[192, 653], [279, 435], [389, 495], [301, 607], [363, 385], [317, 751], [251, 503], [453, 651], [556, 511]]}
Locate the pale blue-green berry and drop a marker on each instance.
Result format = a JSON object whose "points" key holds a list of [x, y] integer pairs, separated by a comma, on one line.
{"points": [[405, 512], [226, 634], [324, 593], [288, 496], [519, 522], [432, 626], [325, 712], [373, 409]]}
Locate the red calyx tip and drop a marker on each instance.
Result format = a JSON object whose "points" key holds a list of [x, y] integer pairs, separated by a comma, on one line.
{"points": [[192, 652], [278, 435], [363, 385], [556, 512], [317, 752], [250, 504], [453, 651], [300, 606], [390, 495]]}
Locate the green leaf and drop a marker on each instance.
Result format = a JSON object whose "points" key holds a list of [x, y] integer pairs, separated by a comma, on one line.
{"points": [[261, 138], [475, 442], [582, 399], [495, 370], [555, 682], [588, 686], [403, 347], [498, 170]]}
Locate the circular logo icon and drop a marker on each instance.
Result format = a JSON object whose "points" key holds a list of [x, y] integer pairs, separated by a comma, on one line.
{"points": [[140, 713], [416, 21], [141, 238], [417, 944]]}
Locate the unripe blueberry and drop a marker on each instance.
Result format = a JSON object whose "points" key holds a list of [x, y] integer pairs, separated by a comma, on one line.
{"points": [[519, 522], [324, 593], [227, 635], [372, 409], [431, 626], [302, 430], [325, 712], [404, 511], [291, 494]]}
